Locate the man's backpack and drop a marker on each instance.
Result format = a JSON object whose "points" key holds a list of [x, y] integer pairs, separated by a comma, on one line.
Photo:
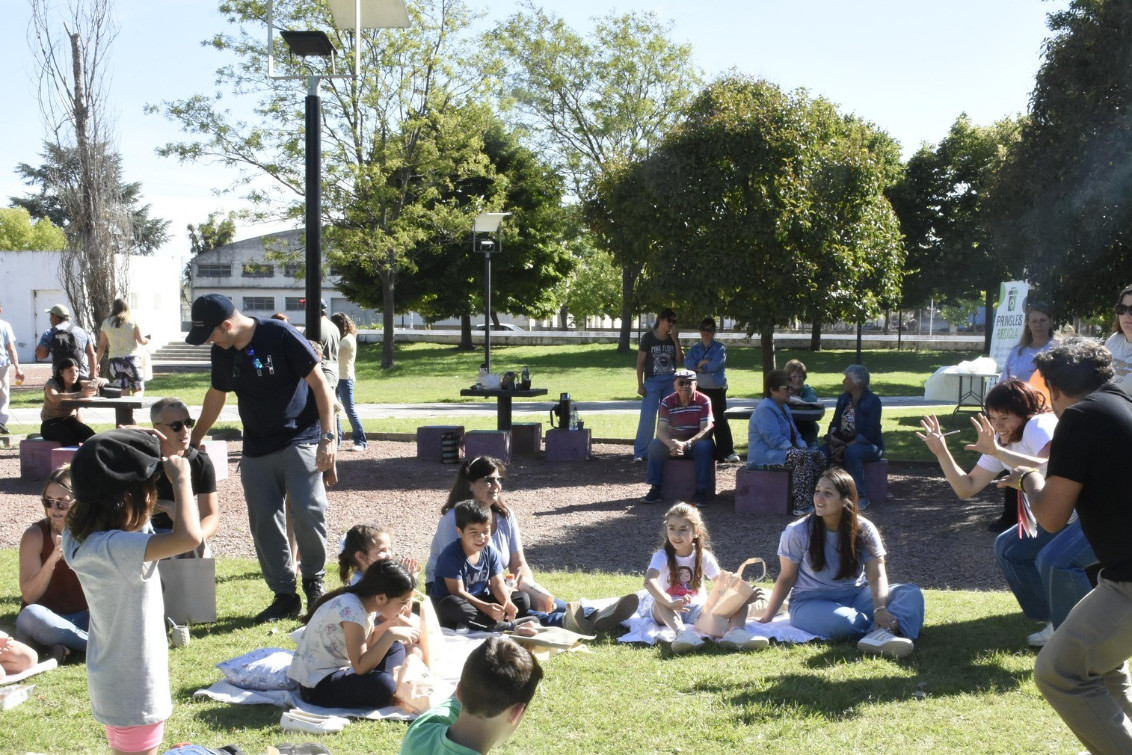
{"points": [[62, 345]]}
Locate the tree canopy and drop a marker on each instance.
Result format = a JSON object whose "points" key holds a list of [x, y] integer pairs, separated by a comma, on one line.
{"points": [[18, 232]]}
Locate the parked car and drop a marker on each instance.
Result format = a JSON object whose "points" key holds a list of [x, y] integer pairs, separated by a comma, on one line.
{"points": [[500, 326]]}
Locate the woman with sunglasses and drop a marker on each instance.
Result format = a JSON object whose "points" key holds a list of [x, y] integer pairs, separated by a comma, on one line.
{"points": [[481, 479], [708, 357], [170, 417], [53, 610], [1037, 336], [1120, 342]]}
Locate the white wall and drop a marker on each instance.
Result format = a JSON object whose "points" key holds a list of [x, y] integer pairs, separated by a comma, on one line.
{"points": [[28, 276]]}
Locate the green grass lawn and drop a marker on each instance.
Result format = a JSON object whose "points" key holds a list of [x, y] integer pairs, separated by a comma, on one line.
{"points": [[967, 688]]}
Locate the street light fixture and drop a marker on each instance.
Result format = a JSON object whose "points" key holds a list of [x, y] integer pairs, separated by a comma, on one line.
{"points": [[374, 14], [487, 222]]}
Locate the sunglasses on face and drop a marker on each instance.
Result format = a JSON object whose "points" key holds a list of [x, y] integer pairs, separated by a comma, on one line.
{"points": [[59, 504], [683, 383], [1122, 309], [176, 426]]}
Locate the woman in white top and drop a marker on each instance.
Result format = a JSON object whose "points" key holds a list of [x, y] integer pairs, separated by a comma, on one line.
{"points": [[1016, 431], [1037, 336], [1120, 342], [122, 336], [347, 354]]}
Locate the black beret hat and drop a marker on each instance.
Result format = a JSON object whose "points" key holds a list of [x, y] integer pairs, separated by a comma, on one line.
{"points": [[112, 461]]}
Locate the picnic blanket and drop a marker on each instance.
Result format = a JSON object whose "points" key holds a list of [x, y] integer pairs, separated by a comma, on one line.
{"points": [[38, 668], [642, 627]]}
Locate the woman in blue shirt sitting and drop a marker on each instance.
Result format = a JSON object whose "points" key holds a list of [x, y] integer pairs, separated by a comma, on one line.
{"points": [[774, 442]]}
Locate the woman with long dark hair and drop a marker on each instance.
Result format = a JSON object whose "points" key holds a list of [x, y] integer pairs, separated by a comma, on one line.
{"points": [[832, 566], [347, 374], [59, 423]]}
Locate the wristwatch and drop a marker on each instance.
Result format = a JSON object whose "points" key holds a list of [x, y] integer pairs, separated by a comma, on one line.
{"points": [[328, 437]]}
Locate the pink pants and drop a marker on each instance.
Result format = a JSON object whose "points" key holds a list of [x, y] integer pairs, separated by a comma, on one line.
{"points": [[135, 738]]}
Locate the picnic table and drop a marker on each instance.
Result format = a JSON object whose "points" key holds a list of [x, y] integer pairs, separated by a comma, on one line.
{"points": [[123, 407], [800, 412], [503, 403]]}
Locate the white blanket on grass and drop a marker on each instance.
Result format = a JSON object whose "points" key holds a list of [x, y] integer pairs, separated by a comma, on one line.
{"points": [[642, 627], [445, 672]]}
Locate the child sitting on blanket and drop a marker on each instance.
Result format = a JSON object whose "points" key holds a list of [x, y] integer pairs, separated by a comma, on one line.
{"points": [[686, 546], [361, 546], [345, 659], [15, 657], [496, 686], [469, 590], [113, 477]]}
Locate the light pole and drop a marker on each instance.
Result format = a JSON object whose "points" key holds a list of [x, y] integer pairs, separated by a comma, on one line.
{"points": [[487, 222], [372, 14]]}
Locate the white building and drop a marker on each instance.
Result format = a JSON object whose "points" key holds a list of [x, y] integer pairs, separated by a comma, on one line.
{"points": [[32, 286], [260, 286]]}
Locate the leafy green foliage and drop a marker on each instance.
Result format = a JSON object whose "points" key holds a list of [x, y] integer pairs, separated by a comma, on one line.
{"points": [[18, 232]]}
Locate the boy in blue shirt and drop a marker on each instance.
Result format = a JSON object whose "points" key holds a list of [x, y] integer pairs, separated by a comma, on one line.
{"points": [[498, 682], [469, 590]]}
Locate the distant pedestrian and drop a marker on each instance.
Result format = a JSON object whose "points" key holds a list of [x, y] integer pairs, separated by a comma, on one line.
{"points": [[658, 355], [9, 364]]}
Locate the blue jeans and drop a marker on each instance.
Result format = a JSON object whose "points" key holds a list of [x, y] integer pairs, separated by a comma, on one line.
{"points": [[838, 613], [554, 618], [345, 391], [1062, 565], [1017, 558], [41, 624], [656, 388], [703, 454]]}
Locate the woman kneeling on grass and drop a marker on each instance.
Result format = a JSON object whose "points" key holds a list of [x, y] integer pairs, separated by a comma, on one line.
{"points": [[344, 660], [833, 560]]}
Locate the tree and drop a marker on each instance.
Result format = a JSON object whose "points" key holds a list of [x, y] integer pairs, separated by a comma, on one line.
{"points": [[943, 201], [597, 103], [447, 279], [61, 168], [394, 141], [18, 232], [763, 205], [1064, 203], [82, 176], [212, 233]]}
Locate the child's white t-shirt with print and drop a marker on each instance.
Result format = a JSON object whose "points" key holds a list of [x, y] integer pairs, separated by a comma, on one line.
{"points": [[711, 571]]}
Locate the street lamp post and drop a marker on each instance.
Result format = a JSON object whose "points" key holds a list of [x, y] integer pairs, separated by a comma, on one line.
{"points": [[347, 14], [487, 222]]}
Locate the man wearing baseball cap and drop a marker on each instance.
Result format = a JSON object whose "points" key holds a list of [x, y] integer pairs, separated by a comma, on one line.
{"points": [[286, 408], [682, 431], [60, 318]]}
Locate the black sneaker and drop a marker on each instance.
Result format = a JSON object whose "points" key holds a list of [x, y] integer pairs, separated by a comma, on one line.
{"points": [[653, 496], [285, 606], [700, 499], [312, 588], [3, 429]]}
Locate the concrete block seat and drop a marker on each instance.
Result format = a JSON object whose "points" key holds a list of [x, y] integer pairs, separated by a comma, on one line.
{"points": [[762, 491], [429, 439], [35, 457], [568, 445], [61, 456], [495, 443], [679, 481], [876, 477], [526, 438]]}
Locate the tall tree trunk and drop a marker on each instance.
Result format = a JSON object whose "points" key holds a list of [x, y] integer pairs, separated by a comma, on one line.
{"points": [[815, 334], [988, 321], [628, 282], [563, 317], [387, 315], [466, 333], [766, 338]]}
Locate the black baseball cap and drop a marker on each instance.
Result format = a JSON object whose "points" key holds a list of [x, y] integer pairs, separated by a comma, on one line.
{"points": [[113, 460], [208, 311]]}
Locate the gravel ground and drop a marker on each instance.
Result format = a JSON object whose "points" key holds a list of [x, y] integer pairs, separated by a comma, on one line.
{"points": [[586, 515]]}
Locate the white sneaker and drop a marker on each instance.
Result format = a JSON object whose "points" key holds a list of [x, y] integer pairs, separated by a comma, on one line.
{"points": [[884, 642], [358, 447], [732, 459], [740, 639], [1039, 639], [638, 459], [311, 723], [686, 641]]}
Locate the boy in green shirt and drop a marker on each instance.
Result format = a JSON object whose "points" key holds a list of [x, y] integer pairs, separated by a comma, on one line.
{"points": [[498, 681]]}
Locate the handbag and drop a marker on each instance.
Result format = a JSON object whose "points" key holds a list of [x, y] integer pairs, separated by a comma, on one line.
{"points": [[729, 593], [706, 380]]}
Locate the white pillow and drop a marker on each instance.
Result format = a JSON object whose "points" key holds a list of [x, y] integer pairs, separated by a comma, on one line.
{"points": [[262, 669]]}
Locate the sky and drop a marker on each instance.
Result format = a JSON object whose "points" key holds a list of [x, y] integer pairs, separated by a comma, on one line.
{"points": [[909, 66]]}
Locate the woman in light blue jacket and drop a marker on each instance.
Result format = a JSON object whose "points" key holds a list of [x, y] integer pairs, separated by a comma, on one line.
{"points": [[773, 442], [707, 357]]}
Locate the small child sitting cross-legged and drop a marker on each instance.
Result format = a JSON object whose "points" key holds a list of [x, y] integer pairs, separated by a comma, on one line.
{"points": [[469, 590], [496, 686]]}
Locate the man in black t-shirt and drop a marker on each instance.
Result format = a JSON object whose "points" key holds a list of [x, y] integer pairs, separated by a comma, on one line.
{"points": [[1082, 670], [287, 410], [171, 418]]}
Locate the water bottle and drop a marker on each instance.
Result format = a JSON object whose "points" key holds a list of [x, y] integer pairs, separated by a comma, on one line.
{"points": [[573, 417]]}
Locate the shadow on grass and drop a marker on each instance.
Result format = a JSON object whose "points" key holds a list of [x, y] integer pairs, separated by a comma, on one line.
{"points": [[234, 718]]}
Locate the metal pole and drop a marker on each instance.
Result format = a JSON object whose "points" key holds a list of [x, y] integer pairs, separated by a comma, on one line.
{"points": [[487, 312], [314, 210]]}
